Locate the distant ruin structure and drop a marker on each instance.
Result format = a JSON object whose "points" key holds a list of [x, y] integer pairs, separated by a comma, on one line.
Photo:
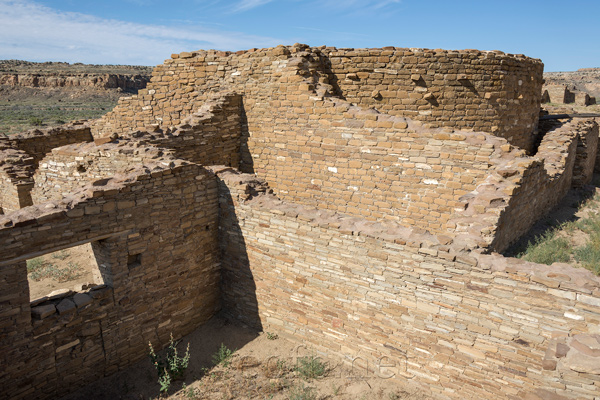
{"points": [[355, 200]]}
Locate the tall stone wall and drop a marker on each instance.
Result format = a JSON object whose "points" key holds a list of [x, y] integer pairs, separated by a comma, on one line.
{"points": [[409, 306], [310, 146], [154, 234], [485, 91]]}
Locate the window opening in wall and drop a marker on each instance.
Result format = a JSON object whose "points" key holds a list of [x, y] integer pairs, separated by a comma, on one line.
{"points": [[134, 260], [73, 269]]}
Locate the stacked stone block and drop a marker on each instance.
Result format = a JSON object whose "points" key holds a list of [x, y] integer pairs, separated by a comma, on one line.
{"points": [[372, 247], [475, 326], [165, 214]]}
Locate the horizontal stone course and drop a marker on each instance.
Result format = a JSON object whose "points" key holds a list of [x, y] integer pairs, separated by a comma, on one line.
{"points": [[373, 290], [71, 339], [376, 182]]}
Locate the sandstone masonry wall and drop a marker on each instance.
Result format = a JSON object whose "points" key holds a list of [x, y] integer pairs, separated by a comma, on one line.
{"points": [[547, 179], [67, 169], [20, 155], [311, 147], [37, 143], [154, 234], [375, 294], [485, 91]]}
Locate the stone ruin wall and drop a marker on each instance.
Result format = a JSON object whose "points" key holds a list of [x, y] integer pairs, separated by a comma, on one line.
{"points": [[67, 168], [20, 155], [477, 90], [309, 145], [520, 190], [209, 136], [336, 267], [485, 91], [407, 304], [62, 343]]}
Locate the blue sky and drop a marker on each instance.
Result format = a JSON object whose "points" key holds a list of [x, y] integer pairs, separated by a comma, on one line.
{"points": [[565, 35]]}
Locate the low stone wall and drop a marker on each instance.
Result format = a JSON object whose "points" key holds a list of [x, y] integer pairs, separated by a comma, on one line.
{"points": [[39, 142], [211, 136], [520, 190], [397, 304], [587, 153], [160, 267], [546, 179], [67, 169]]}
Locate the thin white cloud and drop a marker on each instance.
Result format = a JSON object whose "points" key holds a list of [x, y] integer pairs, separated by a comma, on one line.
{"points": [[359, 6], [245, 5], [34, 32]]}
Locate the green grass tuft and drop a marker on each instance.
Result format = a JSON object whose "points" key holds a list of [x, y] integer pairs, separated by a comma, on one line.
{"points": [[548, 249]]}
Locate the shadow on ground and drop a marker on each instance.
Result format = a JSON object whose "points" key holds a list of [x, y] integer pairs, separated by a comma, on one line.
{"points": [[139, 381], [565, 211]]}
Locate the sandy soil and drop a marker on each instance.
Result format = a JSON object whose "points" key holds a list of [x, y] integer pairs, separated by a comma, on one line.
{"points": [[577, 204], [263, 367], [76, 266]]}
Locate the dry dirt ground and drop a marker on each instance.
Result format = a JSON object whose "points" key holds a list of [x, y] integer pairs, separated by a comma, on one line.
{"points": [[64, 269], [575, 222], [262, 367]]}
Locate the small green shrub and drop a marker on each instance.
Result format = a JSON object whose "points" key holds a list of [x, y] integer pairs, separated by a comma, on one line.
{"points": [[302, 392], [34, 264], [36, 121], [548, 249], [170, 368], [223, 356], [311, 367]]}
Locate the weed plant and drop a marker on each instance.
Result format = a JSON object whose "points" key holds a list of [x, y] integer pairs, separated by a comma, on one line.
{"points": [[172, 367], [302, 392], [311, 367], [548, 249], [223, 356]]}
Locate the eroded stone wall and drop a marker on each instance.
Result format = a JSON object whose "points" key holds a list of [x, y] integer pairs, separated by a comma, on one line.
{"points": [[67, 169], [164, 218], [407, 305], [485, 91], [546, 179]]}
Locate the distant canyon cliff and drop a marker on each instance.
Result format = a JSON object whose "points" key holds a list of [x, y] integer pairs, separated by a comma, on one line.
{"points": [[57, 75]]}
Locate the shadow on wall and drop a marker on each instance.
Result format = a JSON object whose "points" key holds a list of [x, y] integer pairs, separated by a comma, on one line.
{"points": [[331, 77], [246, 160], [238, 288]]}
